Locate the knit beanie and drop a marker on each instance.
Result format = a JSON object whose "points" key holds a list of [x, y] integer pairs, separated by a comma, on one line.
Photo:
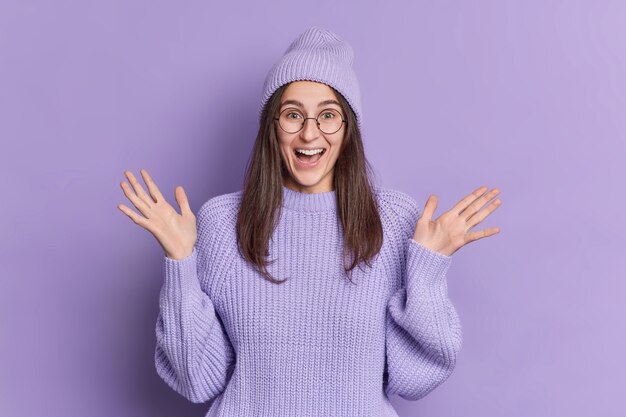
{"points": [[316, 55]]}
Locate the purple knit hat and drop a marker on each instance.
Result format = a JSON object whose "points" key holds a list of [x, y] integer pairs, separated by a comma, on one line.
{"points": [[316, 55]]}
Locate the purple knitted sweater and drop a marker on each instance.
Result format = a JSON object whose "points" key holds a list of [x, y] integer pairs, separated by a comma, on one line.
{"points": [[316, 345]]}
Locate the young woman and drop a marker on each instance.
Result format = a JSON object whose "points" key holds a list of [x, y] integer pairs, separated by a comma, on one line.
{"points": [[310, 292]]}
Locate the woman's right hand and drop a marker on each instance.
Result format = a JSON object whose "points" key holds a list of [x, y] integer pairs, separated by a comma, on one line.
{"points": [[175, 233]]}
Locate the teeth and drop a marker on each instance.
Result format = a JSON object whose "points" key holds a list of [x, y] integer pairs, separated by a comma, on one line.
{"points": [[310, 152]]}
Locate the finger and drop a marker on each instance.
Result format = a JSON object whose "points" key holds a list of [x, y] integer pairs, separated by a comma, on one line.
{"points": [[467, 200], [139, 203], [140, 220], [429, 207], [479, 234], [482, 214], [183, 202], [152, 187], [478, 203], [141, 193]]}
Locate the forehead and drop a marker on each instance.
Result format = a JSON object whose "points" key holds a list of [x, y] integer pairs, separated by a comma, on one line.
{"points": [[309, 93]]}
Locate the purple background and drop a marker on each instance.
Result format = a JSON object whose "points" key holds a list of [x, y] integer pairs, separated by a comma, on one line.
{"points": [[528, 96]]}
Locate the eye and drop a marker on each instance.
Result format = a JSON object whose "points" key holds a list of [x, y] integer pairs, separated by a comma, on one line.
{"points": [[328, 115], [289, 114]]}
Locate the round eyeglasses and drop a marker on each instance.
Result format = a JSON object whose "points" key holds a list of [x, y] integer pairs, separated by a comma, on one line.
{"points": [[328, 121]]}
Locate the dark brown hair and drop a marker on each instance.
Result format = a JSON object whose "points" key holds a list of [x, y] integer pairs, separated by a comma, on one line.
{"points": [[262, 193]]}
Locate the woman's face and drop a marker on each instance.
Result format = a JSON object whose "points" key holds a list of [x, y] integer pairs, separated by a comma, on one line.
{"points": [[313, 175]]}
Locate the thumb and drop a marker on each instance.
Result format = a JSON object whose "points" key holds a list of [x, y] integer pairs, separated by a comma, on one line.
{"points": [[429, 208], [182, 200]]}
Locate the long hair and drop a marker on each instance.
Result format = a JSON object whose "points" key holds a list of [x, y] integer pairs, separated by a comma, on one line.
{"points": [[262, 194]]}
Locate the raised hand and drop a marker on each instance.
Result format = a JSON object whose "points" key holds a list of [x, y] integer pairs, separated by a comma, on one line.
{"points": [[176, 233], [449, 232]]}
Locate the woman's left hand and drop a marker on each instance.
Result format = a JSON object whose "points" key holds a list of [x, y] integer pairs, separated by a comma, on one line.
{"points": [[449, 232]]}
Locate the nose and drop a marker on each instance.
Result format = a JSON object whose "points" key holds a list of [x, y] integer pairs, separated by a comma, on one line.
{"points": [[310, 130]]}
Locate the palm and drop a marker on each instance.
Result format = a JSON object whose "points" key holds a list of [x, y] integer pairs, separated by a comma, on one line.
{"points": [[449, 232], [176, 233]]}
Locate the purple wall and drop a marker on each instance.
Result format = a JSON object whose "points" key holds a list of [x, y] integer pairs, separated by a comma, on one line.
{"points": [[528, 96]]}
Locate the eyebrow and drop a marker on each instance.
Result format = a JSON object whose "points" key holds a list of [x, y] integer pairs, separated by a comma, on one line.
{"points": [[299, 103]]}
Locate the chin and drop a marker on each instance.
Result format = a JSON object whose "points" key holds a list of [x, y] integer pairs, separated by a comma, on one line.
{"points": [[306, 180]]}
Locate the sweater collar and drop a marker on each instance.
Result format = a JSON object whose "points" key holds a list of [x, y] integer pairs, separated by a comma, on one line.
{"points": [[299, 201]]}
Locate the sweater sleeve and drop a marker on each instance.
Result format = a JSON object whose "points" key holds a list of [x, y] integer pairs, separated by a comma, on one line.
{"points": [[423, 335], [193, 354]]}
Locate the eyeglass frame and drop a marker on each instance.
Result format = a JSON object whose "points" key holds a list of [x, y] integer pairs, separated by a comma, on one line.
{"points": [[314, 118]]}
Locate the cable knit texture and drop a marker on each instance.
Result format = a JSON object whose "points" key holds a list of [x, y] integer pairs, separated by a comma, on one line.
{"points": [[316, 345]]}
